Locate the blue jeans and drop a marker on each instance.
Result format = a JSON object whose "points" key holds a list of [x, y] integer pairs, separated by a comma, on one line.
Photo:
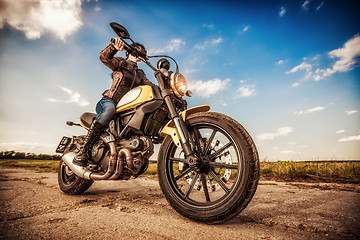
{"points": [[106, 110]]}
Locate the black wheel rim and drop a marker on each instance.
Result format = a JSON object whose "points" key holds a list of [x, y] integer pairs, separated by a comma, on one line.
{"points": [[221, 172], [67, 176]]}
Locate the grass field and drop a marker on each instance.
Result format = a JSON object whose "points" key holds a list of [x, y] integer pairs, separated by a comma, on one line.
{"points": [[318, 171], [338, 171], [37, 165]]}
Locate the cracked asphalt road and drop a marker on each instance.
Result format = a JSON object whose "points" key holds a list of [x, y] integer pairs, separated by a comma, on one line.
{"points": [[33, 207]]}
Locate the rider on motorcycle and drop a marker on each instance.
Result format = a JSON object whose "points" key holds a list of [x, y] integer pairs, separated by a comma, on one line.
{"points": [[126, 75]]}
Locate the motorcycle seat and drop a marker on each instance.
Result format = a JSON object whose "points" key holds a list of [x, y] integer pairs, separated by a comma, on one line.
{"points": [[87, 118]]}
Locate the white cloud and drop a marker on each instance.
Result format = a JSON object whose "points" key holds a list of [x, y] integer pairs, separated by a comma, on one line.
{"points": [[301, 66], [217, 41], [347, 55], [350, 112], [173, 45], [282, 12], [315, 109], [318, 8], [340, 131], [199, 47], [75, 97], [311, 110], [284, 131], [245, 29], [246, 91], [208, 43], [296, 84], [59, 18], [55, 100], [347, 59], [68, 91], [321, 74], [349, 139], [208, 26], [305, 5], [280, 62], [205, 89]]}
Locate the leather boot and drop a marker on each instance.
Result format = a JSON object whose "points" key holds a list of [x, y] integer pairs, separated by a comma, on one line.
{"points": [[82, 157]]}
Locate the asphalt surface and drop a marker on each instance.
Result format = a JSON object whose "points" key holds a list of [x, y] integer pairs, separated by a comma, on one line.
{"points": [[33, 207]]}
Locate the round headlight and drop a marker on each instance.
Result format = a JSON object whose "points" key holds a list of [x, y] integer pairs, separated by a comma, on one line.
{"points": [[178, 84]]}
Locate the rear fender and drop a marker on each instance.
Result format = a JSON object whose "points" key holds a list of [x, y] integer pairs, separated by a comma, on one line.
{"points": [[170, 129]]}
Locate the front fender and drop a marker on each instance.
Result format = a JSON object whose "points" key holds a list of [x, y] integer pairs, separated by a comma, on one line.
{"points": [[170, 129]]}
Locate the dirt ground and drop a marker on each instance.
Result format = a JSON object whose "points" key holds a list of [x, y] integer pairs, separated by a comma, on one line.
{"points": [[33, 207]]}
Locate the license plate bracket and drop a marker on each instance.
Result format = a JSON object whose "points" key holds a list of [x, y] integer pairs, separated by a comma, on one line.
{"points": [[62, 145]]}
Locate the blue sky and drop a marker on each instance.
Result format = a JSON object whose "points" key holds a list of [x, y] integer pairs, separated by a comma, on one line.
{"points": [[288, 71]]}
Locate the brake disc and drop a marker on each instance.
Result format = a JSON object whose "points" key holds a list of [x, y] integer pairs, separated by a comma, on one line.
{"points": [[224, 175]]}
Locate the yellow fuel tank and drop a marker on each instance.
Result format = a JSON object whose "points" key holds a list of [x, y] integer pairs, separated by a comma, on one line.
{"points": [[135, 97]]}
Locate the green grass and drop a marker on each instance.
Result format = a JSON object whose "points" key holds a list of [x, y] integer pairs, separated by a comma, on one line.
{"points": [[312, 171], [37, 165], [151, 172], [280, 171]]}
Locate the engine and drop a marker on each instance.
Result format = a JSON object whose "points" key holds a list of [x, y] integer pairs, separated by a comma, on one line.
{"points": [[141, 149]]}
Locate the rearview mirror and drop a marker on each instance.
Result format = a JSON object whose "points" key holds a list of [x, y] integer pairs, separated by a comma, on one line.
{"points": [[120, 30]]}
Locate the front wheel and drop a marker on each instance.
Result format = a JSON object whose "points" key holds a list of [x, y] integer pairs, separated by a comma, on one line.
{"points": [[70, 183], [227, 179]]}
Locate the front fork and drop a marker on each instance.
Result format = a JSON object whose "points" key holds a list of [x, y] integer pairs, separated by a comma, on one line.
{"points": [[186, 141]]}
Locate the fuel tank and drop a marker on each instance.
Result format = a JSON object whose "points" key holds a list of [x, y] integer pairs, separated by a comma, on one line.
{"points": [[135, 97]]}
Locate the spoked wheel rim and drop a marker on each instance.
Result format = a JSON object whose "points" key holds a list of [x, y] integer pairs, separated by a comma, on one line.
{"points": [[219, 175], [67, 175]]}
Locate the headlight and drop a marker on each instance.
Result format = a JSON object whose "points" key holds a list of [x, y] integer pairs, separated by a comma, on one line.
{"points": [[178, 84]]}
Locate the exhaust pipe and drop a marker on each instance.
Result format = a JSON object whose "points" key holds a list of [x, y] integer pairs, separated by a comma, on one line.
{"points": [[114, 163], [78, 170], [124, 152]]}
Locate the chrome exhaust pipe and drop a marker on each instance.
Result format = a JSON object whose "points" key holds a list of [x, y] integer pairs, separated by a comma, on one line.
{"points": [[86, 174], [124, 152], [78, 170], [112, 165]]}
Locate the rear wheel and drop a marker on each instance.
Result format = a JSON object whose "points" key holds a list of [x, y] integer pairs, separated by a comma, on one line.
{"points": [[227, 178], [70, 183]]}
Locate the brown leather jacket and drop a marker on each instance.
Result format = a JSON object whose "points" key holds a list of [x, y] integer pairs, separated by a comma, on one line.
{"points": [[126, 75]]}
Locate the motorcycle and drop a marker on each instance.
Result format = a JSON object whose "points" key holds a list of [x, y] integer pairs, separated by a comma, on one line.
{"points": [[208, 165]]}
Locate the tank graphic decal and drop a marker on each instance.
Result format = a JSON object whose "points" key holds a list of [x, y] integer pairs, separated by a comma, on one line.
{"points": [[135, 97]]}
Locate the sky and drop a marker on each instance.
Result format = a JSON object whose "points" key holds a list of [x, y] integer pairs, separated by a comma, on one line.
{"points": [[287, 70]]}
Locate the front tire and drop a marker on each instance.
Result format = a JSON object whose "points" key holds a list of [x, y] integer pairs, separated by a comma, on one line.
{"points": [[227, 179], [70, 183]]}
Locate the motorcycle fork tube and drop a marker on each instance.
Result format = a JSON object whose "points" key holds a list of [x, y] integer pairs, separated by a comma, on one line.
{"points": [[185, 137]]}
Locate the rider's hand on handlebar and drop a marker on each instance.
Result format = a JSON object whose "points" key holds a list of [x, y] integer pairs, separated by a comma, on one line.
{"points": [[119, 44]]}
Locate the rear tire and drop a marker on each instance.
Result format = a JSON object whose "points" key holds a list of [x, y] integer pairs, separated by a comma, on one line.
{"points": [[228, 178], [70, 183]]}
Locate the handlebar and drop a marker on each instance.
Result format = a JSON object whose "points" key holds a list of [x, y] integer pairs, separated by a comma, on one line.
{"points": [[128, 47], [145, 58]]}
